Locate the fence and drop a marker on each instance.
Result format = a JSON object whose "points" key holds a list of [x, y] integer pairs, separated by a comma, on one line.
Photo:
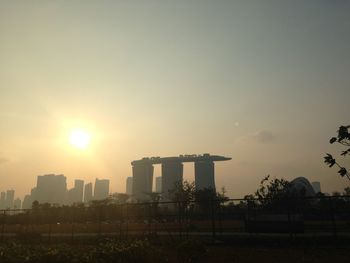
{"points": [[317, 216]]}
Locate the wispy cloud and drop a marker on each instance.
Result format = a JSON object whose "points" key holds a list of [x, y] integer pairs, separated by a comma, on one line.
{"points": [[263, 136]]}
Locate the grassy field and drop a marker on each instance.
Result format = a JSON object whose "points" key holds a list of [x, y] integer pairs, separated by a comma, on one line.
{"points": [[198, 226], [105, 251], [274, 254]]}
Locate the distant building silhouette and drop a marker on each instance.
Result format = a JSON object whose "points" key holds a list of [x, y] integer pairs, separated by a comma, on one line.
{"points": [[51, 189], [29, 199], [79, 186], [172, 172], [142, 180], [27, 202], [301, 184], [75, 195], [101, 189], [33, 192], [129, 185], [10, 196], [316, 186], [204, 175], [88, 193], [70, 196], [17, 204], [158, 184], [3, 200]]}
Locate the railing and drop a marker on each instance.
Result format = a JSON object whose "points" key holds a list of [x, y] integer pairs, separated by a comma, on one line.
{"points": [[317, 216]]}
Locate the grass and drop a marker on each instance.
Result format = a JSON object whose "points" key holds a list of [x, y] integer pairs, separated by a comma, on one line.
{"points": [[187, 251]]}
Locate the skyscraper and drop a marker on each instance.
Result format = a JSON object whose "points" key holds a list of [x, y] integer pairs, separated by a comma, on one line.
{"points": [[33, 195], [172, 174], [129, 185], [88, 193], [27, 202], [79, 188], [101, 190], [142, 174], [75, 195], [3, 200], [17, 204], [158, 184], [204, 175], [51, 188], [10, 196]]}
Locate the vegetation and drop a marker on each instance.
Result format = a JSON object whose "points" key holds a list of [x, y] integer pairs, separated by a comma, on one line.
{"points": [[190, 251], [105, 252], [190, 211], [183, 192], [276, 194], [202, 201], [186, 192], [342, 138]]}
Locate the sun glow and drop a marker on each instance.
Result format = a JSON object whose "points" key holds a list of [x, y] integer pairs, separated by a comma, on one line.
{"points": [[79, 138]]}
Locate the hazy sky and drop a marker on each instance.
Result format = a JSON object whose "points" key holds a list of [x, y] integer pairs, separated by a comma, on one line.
{"points": [[264, 82]]}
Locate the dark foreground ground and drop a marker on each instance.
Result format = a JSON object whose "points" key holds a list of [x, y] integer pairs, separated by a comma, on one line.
{"points": [[194, 250], [266, 254]]}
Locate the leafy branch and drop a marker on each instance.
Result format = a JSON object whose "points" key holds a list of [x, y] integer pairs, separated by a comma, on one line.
{"points": [[342, 138]]}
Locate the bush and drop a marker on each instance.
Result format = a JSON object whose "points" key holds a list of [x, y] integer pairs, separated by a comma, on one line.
{"points": [[191, 251], [105, 252]]}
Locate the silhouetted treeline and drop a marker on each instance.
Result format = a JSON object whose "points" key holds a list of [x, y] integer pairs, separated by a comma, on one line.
{"points": [[317, 207]]}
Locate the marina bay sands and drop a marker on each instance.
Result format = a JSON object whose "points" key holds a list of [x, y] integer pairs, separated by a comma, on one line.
{"points": [[172, 173]]}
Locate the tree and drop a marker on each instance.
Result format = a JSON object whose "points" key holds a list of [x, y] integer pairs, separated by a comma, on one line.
{"points": [[119, 198], [342, 138], [276, 194], [208, 198], [154, 197], [183, 192], [346, 191], [271, 191], [205, 199]]}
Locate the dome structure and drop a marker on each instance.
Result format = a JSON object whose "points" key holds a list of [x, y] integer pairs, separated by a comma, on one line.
{"points": [[303, 184]]}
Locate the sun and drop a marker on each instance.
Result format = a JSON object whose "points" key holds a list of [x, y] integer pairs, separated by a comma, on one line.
{"points": [[79, 138]]}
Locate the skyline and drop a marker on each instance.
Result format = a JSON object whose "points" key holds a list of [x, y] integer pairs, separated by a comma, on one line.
{"points": [[52, 189], [171, 174], [263, 82]]}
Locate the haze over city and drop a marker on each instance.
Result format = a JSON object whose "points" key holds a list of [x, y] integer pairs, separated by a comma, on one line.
{"points": [[88, 86]]}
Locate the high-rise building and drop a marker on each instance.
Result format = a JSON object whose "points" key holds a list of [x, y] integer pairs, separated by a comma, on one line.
{"points": [[172, 173], [70, 196], [3, 200], [316, 186], [51, 189], [101, 189], [27, 202], [79, 187], [129, 185], [158, 184], [142, 174], [17, 204], [10, 196], [75, 195], [88, 193], [33, 195], [204, 175]]}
